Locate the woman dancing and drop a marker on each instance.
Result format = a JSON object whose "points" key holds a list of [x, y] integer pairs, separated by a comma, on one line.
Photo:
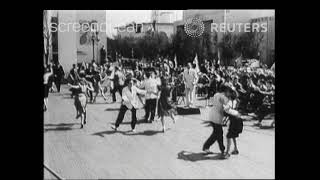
{"points": [[80, 100], [235, 126], [97, 85], [164, 108]]}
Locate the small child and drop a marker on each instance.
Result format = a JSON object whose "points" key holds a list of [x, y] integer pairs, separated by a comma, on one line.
{"points": [[235, 126]]}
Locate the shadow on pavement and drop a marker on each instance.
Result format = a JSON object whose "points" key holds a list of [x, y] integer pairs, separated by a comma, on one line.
{"points": [[140, 121], [102, 133], [97, 103], [191, 156], [127, 133], [261, 126], [266, 127], [61, 124], [112, 109], [144, 133], [59, 129]]}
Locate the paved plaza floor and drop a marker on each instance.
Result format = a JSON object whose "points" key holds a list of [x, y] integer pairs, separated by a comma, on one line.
{"points": [[96, 151]]}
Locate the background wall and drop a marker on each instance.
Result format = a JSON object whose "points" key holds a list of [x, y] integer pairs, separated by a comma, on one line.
{"points": [[67, 49], [84, 52]]}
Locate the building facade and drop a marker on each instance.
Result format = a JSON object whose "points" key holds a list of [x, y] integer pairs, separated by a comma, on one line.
{"points": [[164, 16], [71, 45]]}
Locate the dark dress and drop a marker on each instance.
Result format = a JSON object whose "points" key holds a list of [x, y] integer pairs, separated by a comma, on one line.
{"points": [[163, 105], [235, 126]]}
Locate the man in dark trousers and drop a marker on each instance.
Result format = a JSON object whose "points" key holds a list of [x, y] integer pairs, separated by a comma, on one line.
{"points": [[58, 75], [129, 102], [150, 85]]}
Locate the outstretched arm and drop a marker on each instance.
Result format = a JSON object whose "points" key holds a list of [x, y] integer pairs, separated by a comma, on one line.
{"points": [[73, 86], [140, 91]]}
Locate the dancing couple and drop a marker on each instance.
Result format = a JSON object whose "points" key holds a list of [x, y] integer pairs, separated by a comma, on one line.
{"points": [[217, 112]]}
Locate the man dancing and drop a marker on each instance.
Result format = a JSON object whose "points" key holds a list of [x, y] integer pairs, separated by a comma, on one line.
{"points": [[129, 101], [150, 85]]}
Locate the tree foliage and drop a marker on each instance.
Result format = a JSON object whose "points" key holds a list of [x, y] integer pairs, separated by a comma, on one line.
{"points": [[245, 44], [149, 46], [152, 44]]}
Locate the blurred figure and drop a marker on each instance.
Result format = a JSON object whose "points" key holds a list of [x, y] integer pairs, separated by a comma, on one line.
{"points": [[48, 72], [58, 75], [190, 80]]}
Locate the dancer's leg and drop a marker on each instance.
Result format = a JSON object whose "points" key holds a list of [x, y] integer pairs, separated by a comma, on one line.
{"points": [[163, 125], [228, 145], [235, 144], [82, 118], [45, 104], [121, 114], [172, 116], [153, 103], [147, 109], [133, 118], [212, 138]]}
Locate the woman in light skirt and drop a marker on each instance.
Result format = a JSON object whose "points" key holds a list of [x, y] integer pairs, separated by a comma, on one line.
{"points": [[80, 100]]}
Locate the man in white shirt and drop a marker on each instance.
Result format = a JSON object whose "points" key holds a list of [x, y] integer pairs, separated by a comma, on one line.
{"points": [[190, 79], [150, 85], [130, 100]]}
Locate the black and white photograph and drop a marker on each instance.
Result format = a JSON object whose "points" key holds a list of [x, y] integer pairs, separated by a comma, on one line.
{"points": [[159, 94]]}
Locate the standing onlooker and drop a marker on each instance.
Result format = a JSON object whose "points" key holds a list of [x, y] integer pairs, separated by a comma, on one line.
{"points": [[103, 54], [95, 66], [58, 75], [190, 80]]}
